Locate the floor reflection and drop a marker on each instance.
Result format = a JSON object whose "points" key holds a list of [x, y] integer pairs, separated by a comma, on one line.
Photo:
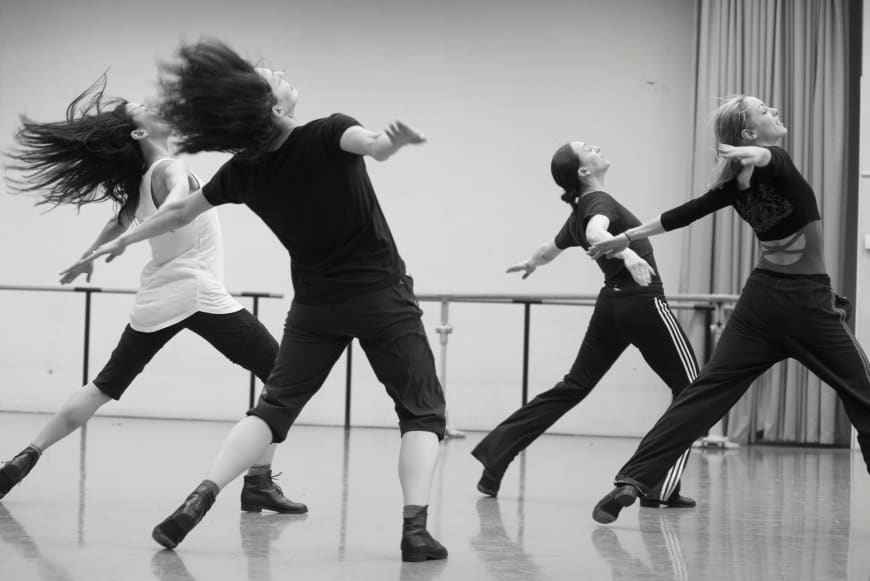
{"points": [[763, 513], [14, 535], [505, 558]]}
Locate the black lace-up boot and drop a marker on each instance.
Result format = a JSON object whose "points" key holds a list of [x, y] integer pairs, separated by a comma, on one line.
{"points": [[417, 543], [12, 472], [260, 491], [176, 526]]}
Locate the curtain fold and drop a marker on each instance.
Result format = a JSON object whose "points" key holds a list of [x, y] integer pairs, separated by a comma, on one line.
{"points": [[794, 56]]}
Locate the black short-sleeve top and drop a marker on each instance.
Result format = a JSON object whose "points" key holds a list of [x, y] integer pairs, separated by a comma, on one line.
{"points": [[573, 233], [319, 202], [777, 203]]}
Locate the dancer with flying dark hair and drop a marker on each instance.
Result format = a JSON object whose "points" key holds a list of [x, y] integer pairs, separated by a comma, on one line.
{"points": [[308, 182], [115, 150], [631, 309], [786, 308]]}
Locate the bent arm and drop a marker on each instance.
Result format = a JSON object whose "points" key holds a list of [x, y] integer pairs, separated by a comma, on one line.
{"points": [[746, 154], [610, 247], [597, 231], [379, 145]]}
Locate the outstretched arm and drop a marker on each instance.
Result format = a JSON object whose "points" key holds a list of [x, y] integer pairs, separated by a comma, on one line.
{"points": [[596, 232], [545, 253], [619, 243], [112, 229], [380, 146], [170, 217]]}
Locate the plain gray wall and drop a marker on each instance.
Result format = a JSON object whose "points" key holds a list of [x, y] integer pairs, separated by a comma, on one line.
{"points": [[495, 86]]}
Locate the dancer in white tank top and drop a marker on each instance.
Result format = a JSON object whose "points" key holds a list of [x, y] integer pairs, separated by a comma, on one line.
{"points": [[117, 150]]}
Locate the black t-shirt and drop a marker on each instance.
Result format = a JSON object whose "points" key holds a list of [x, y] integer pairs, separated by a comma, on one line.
{"points": [[573, 233], [777, 203], [319, 202]]}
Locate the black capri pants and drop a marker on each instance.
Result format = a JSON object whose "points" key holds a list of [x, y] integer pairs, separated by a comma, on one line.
{"points": [[776, 317], [239, 336], [390, 332]]}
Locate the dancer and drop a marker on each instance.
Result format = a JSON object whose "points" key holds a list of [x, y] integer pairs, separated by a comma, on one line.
{"points": [[308, 183], [631, 309], [112, 149], [786, 309]]}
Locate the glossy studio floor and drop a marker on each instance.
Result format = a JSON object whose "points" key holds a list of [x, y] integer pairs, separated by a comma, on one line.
{"points": [[87, 509]]}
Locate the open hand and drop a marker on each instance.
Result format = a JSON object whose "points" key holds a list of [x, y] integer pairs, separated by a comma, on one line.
{"points": [[639, 269], [742, 154], [110, 249], [401, 134], [81, 267], [523, 266]]}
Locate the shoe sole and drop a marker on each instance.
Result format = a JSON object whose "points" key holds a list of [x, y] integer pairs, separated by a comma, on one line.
{"points": [[657, 504], [487, 491], [258, 508], [162, 539], [607, 510], [420, 557]]}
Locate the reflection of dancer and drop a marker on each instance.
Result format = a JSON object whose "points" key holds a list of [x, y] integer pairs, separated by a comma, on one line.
{"points": [[786, 309], [309, 184], [168, 566], [631, 309], [258, 532], [12, 533], [660, 534], [117, 150], [492, 543]]}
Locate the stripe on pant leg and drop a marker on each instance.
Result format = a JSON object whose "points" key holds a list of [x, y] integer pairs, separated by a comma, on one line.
{"points": [[678, 338], [690, 366]]}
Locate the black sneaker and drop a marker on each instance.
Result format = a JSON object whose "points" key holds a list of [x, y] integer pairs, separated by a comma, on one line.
{"points": [[176, 526], [607, 509], [676, 500], [489, 483], [14, 471]]}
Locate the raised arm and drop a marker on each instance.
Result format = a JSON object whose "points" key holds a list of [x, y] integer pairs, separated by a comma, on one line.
{"points": [[545, 253], [382, 145], [111, 230], [596, 232], [747, 154]]}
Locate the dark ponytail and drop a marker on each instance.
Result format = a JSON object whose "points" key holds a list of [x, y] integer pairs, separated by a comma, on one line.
{"points": [[564, 167]]}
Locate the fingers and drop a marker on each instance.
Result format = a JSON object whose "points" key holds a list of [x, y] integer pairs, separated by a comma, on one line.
{"points": [[405, 133]]}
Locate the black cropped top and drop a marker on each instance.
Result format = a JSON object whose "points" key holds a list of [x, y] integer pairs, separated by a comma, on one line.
{"points": [[778, 202]]}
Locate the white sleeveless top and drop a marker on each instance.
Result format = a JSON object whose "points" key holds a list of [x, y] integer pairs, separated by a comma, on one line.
{"points": [[186, 271]]}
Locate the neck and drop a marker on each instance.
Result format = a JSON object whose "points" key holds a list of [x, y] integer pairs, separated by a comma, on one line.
{"points": [[591, 184], [286, 126], [152, 150]]}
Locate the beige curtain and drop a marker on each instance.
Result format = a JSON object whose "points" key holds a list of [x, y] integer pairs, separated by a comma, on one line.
{"points": [[793, 54]]}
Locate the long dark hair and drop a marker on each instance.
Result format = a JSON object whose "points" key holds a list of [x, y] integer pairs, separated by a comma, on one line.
{"points": [[564, 167], [216, 100], [88, 157]]}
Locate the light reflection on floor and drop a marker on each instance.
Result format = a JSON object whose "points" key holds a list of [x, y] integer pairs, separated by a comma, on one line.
{"points": [[87, 510]]}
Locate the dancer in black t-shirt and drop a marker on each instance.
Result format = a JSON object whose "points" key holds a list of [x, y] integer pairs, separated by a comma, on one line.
{"points": [[308, 183], [786, 309], [631, 309]]}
